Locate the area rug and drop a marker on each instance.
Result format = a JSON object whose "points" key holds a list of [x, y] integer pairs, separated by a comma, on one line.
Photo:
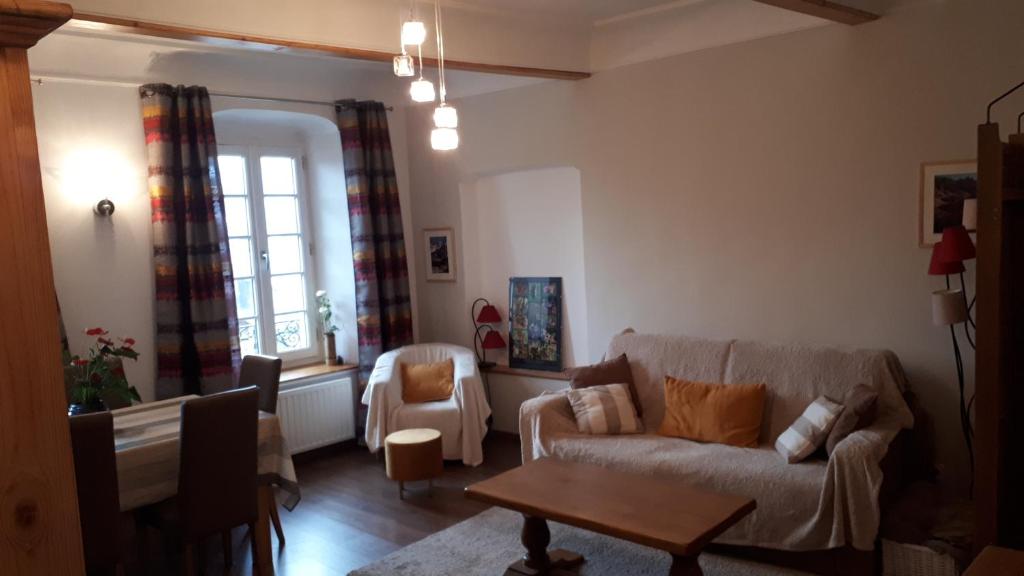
{"points": [[486, 544]]}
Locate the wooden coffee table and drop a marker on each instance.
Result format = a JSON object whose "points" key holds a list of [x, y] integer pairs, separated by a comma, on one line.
{"points": [[656, 512]]}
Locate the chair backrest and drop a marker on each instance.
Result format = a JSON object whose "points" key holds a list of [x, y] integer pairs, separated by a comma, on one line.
{"points": [[99, 507], [217, 480], [263, 372]]}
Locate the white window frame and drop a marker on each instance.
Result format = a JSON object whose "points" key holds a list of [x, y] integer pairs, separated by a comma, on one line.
{"points": [[261, 263]]}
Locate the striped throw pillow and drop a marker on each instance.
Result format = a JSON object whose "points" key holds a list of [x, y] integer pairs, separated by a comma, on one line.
{"points": [[810, 430], [604, 409]]}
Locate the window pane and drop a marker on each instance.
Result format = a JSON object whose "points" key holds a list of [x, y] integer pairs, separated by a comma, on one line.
{"points": [[232, 175], [282, 214], [278, 175], [245, 298], [291, 332], [241, 257], [248, 336], [289, 293], [285, 254], [237, 215]]}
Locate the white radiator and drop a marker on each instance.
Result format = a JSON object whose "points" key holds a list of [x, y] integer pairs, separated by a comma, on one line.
{"points": [[317, 413]]}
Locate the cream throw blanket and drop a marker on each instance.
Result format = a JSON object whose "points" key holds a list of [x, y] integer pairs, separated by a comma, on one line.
{"points": [[812, 505]]}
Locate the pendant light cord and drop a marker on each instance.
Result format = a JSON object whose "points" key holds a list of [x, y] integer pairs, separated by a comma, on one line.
{"points": [[440, 50]]}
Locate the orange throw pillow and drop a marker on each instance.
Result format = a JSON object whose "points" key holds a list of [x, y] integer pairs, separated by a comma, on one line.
{"points": [[427, 382], [721, 413]]}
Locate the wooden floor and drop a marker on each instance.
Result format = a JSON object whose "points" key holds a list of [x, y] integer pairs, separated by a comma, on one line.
{"points": [[350, 514]]}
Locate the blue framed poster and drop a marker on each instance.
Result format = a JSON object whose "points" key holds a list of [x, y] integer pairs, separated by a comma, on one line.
{"points": [[535, 323]]}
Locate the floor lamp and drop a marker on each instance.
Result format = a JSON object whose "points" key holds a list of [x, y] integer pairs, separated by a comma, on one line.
{"points": [[951, 307]]}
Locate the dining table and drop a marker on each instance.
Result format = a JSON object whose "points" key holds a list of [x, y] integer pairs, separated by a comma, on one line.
{"points": [[147, 446]]}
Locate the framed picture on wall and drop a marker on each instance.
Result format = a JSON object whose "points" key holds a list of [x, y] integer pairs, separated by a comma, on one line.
{"points": [[535, 323], [440, 246], [944, 187]]}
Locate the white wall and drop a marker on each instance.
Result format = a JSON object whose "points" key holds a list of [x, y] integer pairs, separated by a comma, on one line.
{"points": [[527, 223], [765, 190], [103, 268], [91, 145]]}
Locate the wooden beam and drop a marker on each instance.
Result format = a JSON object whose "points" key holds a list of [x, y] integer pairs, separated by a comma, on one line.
{"points": [[89, 21], [825, 9], [39, 530]]}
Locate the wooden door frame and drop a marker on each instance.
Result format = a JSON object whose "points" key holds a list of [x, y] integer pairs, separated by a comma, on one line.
{"points": [[39, 529]]}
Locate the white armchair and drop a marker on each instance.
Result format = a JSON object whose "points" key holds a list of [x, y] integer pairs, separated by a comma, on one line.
{"points": [[462, 419]]}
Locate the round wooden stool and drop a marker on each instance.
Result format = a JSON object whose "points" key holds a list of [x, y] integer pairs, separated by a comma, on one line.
{"points": [[413, 454]]}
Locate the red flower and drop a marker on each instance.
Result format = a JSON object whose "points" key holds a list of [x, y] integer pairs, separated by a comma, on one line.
{"points": [[106, 341], [96, 332], [129, 342], [96, 378], [80, 362]]}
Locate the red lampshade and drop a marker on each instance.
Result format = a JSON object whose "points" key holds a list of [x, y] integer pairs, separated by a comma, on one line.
{"points": [[493, 340], [956, 245], [489, 315], [940, 268]]}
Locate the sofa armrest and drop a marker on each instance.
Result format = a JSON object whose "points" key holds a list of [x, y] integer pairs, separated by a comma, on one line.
{"points": [[383, 394], [541, 419], [854, 478]]}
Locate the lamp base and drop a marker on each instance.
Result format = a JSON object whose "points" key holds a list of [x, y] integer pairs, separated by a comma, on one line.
{"points": [[486, 365]]}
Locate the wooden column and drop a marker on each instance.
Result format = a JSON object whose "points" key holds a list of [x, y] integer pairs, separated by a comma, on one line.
{"points": [[39, 530]]}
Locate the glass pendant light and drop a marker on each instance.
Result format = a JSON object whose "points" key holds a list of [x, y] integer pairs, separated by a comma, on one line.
{"points": [[405, 65], [413, 33], [446, 116], [444, 138], [422, 90]]}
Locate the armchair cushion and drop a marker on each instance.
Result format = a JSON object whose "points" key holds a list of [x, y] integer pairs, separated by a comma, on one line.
{"points": [[427, 382]]}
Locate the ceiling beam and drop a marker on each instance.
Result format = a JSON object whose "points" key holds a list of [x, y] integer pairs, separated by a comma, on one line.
{"points": [[89, 21], [825, 9]]}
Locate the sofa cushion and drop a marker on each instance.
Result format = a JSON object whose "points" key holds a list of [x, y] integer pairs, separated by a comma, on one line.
{"points": [[859, 407], [810, 430], [604, 409], [713, 412], [654, 356], [614, 371]]}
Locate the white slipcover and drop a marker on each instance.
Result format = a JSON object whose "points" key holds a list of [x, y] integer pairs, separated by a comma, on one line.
{"points": [[813, 505], [462, 419]]}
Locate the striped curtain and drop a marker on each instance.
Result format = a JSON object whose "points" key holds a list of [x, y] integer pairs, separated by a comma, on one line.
{"points": [[378, 246], [196, 325]]}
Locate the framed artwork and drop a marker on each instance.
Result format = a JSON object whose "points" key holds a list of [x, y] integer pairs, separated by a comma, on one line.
{"points": [[944, 187], [535, 323], [440, 247]]}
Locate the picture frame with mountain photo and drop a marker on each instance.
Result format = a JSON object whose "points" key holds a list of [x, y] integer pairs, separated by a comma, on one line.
{"points": [[944, 187]]}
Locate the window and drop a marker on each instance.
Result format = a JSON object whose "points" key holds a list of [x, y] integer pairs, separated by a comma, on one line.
{"points": [[264, 205]]}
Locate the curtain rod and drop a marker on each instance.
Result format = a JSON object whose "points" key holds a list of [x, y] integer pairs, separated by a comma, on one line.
{"points": [[85, 80]]}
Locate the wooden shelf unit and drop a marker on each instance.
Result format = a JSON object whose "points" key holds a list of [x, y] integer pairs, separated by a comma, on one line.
{"points": [[545, 374]]}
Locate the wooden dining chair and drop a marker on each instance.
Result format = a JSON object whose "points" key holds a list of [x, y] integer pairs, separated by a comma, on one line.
{"points": [[264, 372], [99, 505], [217, 478]]}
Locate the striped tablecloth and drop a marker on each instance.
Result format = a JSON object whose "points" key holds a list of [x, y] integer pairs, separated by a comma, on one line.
{"points": [[146, 440]]}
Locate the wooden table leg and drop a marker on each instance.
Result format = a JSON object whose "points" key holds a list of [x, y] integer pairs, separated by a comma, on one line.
{"points": [[537, 562], [685, 566], [263, 556]]}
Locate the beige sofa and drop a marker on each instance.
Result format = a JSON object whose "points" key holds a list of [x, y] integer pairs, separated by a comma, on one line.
{"points": [[813, 505]]}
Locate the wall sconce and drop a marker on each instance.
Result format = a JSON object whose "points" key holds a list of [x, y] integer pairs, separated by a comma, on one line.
{"points": [[103, 208]]}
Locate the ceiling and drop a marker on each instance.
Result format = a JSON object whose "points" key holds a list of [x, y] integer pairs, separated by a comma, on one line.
{"points": [[590, 11]]}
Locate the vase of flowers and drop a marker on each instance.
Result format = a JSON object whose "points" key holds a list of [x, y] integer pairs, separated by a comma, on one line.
{"points": [[101, 374], [323, 303]]}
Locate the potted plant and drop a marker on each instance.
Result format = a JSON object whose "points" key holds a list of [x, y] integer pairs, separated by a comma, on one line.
{"points": [[101, 374], [323, 302]]}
